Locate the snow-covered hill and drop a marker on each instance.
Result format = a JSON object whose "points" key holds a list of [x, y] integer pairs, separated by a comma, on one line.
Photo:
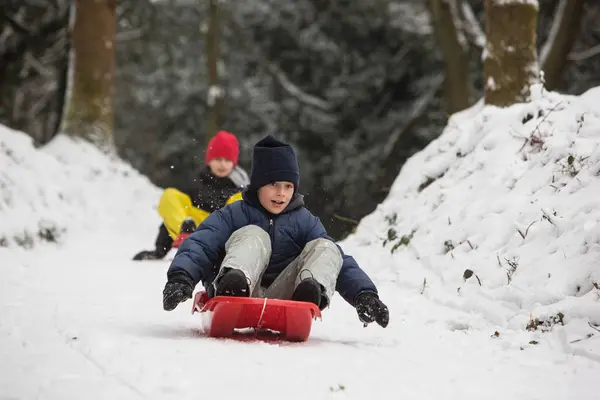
{"points": [[487, 252], [512, 197], [65, 189]]}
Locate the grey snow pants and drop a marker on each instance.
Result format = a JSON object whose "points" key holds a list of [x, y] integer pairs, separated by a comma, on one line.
{"points": [[249, 250]]}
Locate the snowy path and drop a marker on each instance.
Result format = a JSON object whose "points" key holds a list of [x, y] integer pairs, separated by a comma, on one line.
{"points": [[74, 327]]}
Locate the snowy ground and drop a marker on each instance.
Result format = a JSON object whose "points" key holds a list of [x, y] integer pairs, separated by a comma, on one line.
{"points": [[78, 319]]}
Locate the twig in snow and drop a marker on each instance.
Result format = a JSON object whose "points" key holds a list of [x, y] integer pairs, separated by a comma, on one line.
{"points": [[546, 216], [580, 123], [533, 139], [524, 235], [597, 287], [513, 265], [589, 335], [537, 127], [536, 142], [527, 230], [525, 141], [593, 327], [424, 285]]}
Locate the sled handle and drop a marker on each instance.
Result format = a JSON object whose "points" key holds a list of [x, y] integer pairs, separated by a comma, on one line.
{"points": [[200, 299]]}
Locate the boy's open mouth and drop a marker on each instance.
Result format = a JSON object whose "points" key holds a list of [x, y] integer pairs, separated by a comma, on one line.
{"points": [[278, 202]]}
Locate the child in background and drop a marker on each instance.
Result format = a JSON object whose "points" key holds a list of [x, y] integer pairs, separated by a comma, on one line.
{"points": [[219, 182]]}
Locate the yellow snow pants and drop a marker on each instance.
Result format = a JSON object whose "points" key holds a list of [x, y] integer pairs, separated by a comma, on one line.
{"points": [[175, 206]]}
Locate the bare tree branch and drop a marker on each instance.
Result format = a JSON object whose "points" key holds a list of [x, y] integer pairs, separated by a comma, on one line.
{"points": [[418, 108], [132, 34], [472, 26], [17, 25], [455, 14], [558, 17], [584, 55], [37, 66], [274, 69]]}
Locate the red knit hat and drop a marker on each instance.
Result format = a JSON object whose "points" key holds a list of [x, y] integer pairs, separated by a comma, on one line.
{"points": [[223, 144]]}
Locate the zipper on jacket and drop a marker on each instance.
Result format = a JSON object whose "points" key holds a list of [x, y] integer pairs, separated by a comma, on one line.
{"points": [[272, 232]]}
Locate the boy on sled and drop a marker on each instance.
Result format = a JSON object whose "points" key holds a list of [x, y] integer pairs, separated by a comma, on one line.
{"points": [[270, 245]]}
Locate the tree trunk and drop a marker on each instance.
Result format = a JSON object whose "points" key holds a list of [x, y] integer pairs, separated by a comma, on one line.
{"points": [[565, 27], [216, 93], [510, 58], [89, 98], [457, 89]]}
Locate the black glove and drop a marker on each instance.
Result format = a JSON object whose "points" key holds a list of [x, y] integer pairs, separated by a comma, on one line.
{"points": [[370, 309], [178, 289]]}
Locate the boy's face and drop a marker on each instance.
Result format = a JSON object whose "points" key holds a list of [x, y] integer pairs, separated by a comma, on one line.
{"points": [[221, 167], [275, 196]]}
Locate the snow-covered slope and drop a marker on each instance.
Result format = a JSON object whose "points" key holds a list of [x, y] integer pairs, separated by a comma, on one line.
{"points": [[66, 188], [494, 195], [511, 196]]}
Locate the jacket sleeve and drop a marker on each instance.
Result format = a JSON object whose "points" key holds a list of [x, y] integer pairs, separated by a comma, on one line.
{"points": [[352, 280], [202, 249]]}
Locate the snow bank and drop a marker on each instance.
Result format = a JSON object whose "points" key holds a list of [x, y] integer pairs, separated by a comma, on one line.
{"points": [[508, 199], [66, 187]]}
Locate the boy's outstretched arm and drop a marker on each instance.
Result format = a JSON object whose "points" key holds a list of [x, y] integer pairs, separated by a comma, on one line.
{"points": [[353, 284], [197, 256]]}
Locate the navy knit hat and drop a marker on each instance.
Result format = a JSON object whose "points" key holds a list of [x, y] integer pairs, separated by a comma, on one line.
{"points": [[273, 161]]}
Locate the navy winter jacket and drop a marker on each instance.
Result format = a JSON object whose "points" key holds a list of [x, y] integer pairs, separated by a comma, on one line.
{"points": [[202, 252]]}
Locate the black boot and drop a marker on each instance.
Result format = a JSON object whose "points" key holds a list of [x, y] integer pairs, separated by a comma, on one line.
{"points": [[147, 255], [163, 245], [187, 226], [233, 283], [157, 254], [310, 291]]}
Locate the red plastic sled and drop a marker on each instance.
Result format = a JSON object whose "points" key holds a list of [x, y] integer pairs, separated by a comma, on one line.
{"points": [[292, 320]]}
